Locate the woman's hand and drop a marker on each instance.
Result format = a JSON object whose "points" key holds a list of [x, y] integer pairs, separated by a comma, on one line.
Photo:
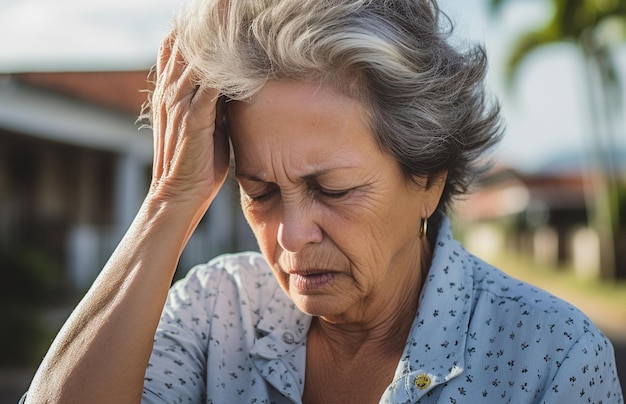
{"points": [[191, 151]]}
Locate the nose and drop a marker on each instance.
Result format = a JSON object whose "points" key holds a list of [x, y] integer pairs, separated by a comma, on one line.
{"points": [[298, 228]]}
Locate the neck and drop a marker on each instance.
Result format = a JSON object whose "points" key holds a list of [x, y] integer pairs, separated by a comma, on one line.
{"points": [[349, 341]]}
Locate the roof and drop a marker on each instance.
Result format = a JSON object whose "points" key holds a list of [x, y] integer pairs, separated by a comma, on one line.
{"points": [[119, 91], [505, 192], [92, 110]]}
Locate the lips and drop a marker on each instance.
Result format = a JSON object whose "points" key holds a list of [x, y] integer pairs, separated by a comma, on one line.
{"points": [[310, 281], [309, 272]]}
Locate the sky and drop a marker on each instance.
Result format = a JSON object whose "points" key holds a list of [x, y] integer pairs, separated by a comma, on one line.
{"points": [[545, 115]]}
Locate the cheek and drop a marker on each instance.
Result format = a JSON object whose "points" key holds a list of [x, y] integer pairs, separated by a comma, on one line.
{"points": [[357, 236], [368, 236]]}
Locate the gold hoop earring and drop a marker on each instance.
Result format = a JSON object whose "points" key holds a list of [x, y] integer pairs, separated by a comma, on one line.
{"points": [[423, 227]]}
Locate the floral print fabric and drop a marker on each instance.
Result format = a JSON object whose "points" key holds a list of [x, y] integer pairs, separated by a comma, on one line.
{"points": [[228, 333]]}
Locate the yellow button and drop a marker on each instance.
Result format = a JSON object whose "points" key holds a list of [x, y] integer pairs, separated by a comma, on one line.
{"points": [[422, 381]]}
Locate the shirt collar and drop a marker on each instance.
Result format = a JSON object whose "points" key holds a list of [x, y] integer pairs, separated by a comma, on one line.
{"points": [[279, 352], [281, 327], [434, 352]]}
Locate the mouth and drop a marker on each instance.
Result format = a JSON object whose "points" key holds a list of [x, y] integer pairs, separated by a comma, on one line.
{"points": [[311, 281]]}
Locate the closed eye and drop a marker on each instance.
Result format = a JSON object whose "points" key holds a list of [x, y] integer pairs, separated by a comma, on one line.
{"points": [[334, 194], [329, 193], [267, 193]]}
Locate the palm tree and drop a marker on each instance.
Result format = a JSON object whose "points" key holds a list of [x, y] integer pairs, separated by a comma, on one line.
{"points": [[592, 26]]}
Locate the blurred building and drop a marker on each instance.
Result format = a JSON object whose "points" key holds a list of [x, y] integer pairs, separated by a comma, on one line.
{"points": [[75, 167], [544, 214]]}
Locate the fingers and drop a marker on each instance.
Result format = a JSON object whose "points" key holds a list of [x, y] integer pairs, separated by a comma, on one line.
{"points": [[190, 143], [170, 61], [203, 105], [158, 108], [173, 92], [172, 68], [165, 50], [180, 79]]}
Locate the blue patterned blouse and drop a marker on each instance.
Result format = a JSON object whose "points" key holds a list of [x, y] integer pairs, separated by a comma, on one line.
{"points": [[228, 334]]}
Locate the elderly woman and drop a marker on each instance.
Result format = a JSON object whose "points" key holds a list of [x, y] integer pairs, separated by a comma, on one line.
{"points": [[353, 125]]}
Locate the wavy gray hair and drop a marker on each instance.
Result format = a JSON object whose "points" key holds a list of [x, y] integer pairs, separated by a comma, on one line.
{"points": [[425, 98]]}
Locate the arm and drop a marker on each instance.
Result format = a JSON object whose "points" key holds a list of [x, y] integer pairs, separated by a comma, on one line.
{"points": [[101, 353]]}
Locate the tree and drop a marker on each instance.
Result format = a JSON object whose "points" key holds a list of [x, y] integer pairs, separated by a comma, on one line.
{"points": [[593, 27]]}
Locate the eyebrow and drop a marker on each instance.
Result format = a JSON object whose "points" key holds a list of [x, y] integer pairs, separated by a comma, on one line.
{"points": [[308, 177]]}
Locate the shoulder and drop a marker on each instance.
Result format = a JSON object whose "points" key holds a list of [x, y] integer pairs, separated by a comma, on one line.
{"points": [[516, 314], [507, 310], [539, 339], [498, 292], [241, 267], [244, 277], [494, 290], [212, 312], [245, 270], [496, 297]]}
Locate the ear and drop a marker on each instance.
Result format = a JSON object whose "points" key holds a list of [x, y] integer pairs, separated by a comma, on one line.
{"points": [[433, 190]]}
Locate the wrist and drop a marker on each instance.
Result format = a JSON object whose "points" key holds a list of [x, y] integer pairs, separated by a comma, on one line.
{"points": [[173, 219]]}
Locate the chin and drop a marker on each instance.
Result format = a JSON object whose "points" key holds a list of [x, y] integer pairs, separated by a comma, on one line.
{"points": [[318, 305]]}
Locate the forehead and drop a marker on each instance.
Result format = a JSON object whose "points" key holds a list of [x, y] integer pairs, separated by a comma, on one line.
{"points": [[300, 123], [295, 108]]}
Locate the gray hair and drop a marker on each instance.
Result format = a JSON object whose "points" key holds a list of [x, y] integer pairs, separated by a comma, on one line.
{"points": [[425, 98]]}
